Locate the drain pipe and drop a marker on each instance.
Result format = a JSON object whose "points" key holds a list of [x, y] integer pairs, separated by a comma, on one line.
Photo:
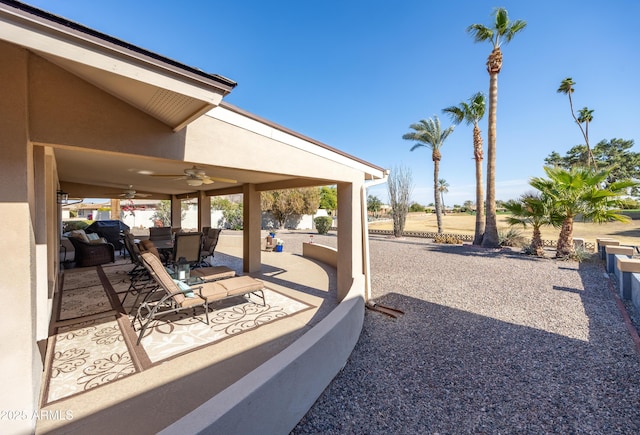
{"points": [[365, 232]]}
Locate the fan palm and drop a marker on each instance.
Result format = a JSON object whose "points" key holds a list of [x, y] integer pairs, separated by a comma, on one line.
{"points": [[535, 210], [579, 191], [471, 113], [502, 31], [429, 134], [586, 116]]}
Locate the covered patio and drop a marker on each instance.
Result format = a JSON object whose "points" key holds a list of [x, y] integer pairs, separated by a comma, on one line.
{"points": [[93, 116], [121, 393]]}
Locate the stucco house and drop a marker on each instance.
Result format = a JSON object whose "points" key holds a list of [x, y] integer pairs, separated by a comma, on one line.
{"points": [[88, 114]]}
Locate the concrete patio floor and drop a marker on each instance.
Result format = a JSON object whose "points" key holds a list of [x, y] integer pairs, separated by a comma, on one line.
{"points": [[148, 401]]}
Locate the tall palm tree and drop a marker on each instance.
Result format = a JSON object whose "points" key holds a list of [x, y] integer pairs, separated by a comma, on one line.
{"points": [[586, 116], [443, 187], [536, 210], [579, 191], [429, 134], [472, 113], [502, 32]]}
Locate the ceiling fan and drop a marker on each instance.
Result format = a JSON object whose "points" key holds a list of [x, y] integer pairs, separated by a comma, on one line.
{"points": [[130, 193], [196, 177]]}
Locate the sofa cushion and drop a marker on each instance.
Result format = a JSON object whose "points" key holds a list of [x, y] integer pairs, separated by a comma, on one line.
{"points": [[95, 238], [79, 234]]}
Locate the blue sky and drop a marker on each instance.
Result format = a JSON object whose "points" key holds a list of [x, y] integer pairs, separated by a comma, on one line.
{"points": [[355, 74]]}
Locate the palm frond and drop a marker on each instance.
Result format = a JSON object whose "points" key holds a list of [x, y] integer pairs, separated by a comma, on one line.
{"points": [[480, 33], [456, 113], [566, 86]]}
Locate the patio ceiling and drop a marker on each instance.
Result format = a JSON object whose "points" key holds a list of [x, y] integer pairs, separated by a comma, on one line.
{"points": [[90, 174]]}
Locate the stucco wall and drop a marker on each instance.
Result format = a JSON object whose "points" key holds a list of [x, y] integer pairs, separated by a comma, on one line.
{"points": [[273, 398]]}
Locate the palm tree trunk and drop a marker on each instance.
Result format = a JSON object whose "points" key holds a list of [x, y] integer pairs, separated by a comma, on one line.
{"points": [[565, 240], [537, 245], [436, 170], [477, 155], [490, 238]]}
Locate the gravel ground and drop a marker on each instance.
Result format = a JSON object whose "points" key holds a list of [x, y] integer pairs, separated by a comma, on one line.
{"points": [[491, 342]]}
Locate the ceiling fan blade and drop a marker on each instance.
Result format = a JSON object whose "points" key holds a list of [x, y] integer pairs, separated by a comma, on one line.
{"points": [[223, 180], [176, 176], [207, 180]]}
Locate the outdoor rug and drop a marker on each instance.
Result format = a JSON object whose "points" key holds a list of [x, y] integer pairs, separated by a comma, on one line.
{"points": [[86, 355], [83, 294], [174, 335], [93, 343]]}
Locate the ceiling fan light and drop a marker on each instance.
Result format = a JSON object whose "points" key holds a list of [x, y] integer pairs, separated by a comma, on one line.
{"points": [[194, 182]]}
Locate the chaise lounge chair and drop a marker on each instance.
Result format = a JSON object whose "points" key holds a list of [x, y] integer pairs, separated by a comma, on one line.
{"points": [[178, 297]]}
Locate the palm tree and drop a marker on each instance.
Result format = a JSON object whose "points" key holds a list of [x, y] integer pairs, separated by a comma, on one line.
{"points": [[429, 134], [586, 115], [472, 113], [535, 210], [579, 191], [443, 187], [502, 31]]}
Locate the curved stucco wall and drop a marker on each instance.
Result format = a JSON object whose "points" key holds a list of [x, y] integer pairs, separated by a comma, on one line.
{"points": [[325, 254], [275, 396]]}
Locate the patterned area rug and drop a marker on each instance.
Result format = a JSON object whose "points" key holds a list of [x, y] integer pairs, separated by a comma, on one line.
{"points": [[87, 355], [83, 295], [94, 342], [174, 335]]}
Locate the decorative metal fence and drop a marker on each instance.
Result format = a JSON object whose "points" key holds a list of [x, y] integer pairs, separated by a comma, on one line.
{"points": [[588, 246]]}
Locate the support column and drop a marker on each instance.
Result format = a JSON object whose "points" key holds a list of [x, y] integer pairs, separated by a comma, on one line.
{"points": [[252, 216], [176, 212], [349, 237], [115, 209], [204, 210], [20, 366]]}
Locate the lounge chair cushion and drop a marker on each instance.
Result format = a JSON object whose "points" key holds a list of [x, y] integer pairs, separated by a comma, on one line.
{"points": [[237, 286], [241, 285], [213, 273]]}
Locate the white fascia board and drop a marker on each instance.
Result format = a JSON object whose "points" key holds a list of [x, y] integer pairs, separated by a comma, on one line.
{"points": [[230, 117], [54, 42]]}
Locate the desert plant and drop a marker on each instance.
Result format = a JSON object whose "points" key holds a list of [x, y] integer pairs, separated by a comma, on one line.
{"points": [[511, 237], [400, 184], [323, 224], [448, 239], [581, 255], [535, 211], [579, 192]]}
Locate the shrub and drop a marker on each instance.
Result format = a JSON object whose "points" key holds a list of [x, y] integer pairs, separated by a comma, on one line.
{"points": [[511, 237], [74, 225], [448, 239], [323, 224], [415, 207], [581, 255]]}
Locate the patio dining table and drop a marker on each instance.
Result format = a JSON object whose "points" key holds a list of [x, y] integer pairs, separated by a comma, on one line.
{"points": [[165, 247]]}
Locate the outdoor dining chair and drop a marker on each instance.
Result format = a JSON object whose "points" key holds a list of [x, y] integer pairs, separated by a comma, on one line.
{"points": [[188, 246]]}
